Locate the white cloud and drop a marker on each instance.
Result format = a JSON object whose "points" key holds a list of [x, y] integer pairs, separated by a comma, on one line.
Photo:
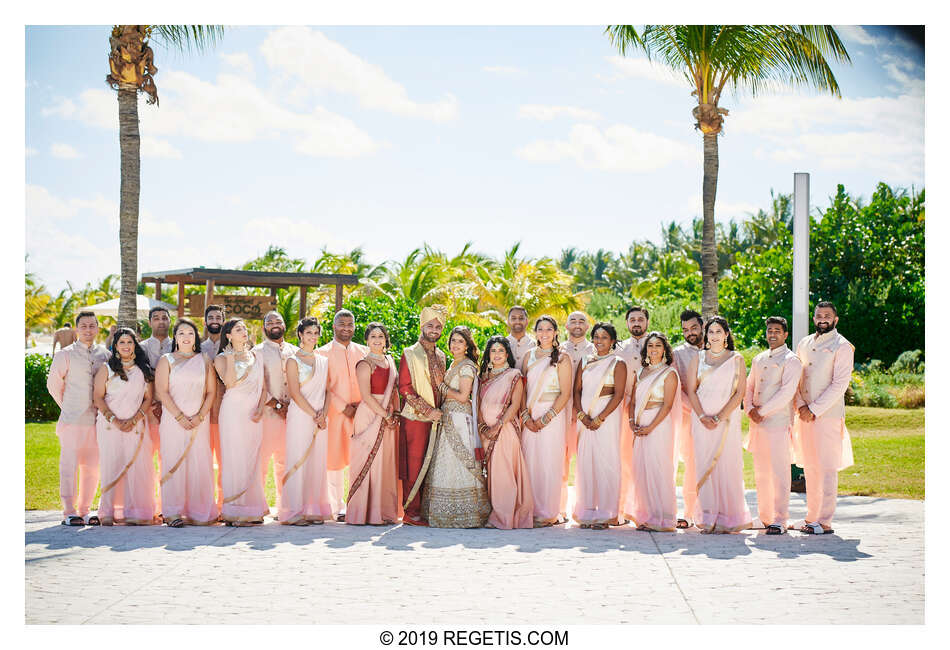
{"points": [[882, 135], [618, 148], [503, 70], [320, 64], [156, 148], [241, 62], [855, 33], [725, 210], [65, 108], [899, 69], [548, 113], [59, 254], [63, 151], [232, 109], [642, 68], [295, 235], [30, 151]]}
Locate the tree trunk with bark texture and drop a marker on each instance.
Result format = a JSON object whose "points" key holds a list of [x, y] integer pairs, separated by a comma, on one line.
{"points": [[710, 259], [129, 145]]}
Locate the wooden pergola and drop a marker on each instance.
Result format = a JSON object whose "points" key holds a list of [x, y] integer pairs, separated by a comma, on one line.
{"points": [[210, 278]]}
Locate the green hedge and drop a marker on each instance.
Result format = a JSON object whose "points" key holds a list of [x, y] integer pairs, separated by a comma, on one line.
{"points": [[39, 404], [401, 318]]}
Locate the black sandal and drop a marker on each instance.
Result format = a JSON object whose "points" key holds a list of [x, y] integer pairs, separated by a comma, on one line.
{"points": [[93, 521], [774, 529], [177, 523], [73, 520], [682, 523]]}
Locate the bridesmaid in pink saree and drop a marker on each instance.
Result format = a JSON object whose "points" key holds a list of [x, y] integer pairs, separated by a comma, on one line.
{"points": [[375, 495], [654, 418], [598, 393], [241, 429], [715, 384], [548, 379], [305, 498], [500, 394], [122, 391], [186, 385]]}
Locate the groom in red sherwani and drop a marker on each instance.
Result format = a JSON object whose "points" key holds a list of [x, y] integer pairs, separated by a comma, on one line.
{"points": [[421, 370]]}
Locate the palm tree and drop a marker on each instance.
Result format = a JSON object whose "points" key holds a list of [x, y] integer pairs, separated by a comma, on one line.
{"points": [[539, 285], [132, 70], [747, 57]]}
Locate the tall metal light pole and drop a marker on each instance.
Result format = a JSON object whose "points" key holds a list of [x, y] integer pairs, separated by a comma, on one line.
{"points": [[800, 256]]}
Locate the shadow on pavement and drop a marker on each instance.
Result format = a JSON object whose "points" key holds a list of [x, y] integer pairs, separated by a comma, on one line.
{"points": [[65, 540]]}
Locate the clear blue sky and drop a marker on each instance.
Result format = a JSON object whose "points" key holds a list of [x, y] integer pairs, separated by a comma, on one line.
{"points": [[385, 137]]}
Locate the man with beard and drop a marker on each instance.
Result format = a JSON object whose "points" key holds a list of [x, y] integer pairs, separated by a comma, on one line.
{"points": [[70, 383], [638, 322], [421, 370], [214, 321], [769, 396], [274, 351], [577, 347], [822, 443], [520, 342], [155, 346], [683, 354], [343, 397]]}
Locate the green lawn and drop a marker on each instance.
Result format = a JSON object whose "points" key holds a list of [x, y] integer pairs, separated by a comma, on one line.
{"points": [[888, 452]]}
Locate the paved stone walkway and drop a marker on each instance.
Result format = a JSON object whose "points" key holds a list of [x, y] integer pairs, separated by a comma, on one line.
{"points": [[870, 571]]}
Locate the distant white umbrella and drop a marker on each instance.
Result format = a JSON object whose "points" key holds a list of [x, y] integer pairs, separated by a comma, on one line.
{"points": [[142, 306]]}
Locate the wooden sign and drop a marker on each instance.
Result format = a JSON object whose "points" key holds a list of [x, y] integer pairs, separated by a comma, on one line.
{"points": [[248, 307]]}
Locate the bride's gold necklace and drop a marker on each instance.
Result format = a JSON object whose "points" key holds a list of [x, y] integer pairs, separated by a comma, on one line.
{"points": [[715, 355]]}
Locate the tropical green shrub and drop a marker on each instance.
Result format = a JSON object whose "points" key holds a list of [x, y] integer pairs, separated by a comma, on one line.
{"points": [[39, 404], [867, 259], [401, 318], [909, 361]]}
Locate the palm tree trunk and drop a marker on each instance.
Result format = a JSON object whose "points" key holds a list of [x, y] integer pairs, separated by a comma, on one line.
{"points": [[710, 261], [129, 145]]}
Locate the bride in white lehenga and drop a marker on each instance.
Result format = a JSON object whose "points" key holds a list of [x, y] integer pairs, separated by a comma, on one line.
{"points": [[455, 493]]}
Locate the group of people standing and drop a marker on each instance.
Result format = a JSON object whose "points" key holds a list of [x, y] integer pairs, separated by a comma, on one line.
{"points": [[485, 438]]}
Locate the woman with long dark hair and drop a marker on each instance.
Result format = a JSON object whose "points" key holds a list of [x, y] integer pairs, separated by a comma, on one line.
{"points": [[500, 395], [241, 429], [715, 384], [548, 389], [655, 416], [375, 495], [122, 391], [598, 394], [186, 384], [306, 493], [455, 494]]}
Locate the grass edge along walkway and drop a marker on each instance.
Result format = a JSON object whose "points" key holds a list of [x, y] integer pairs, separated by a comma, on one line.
{"points": [[888, 452]]}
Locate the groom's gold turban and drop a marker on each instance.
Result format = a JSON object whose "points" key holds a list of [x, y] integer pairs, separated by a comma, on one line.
{"points": [[435, 312]]}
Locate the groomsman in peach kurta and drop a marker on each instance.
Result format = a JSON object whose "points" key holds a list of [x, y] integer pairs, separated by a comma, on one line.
{"points": [[638, 324], [343, 393], [822, 443], [275, 351], [683, 354], [519, 340], [577, 347], [769, 396], [70, 383]]}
